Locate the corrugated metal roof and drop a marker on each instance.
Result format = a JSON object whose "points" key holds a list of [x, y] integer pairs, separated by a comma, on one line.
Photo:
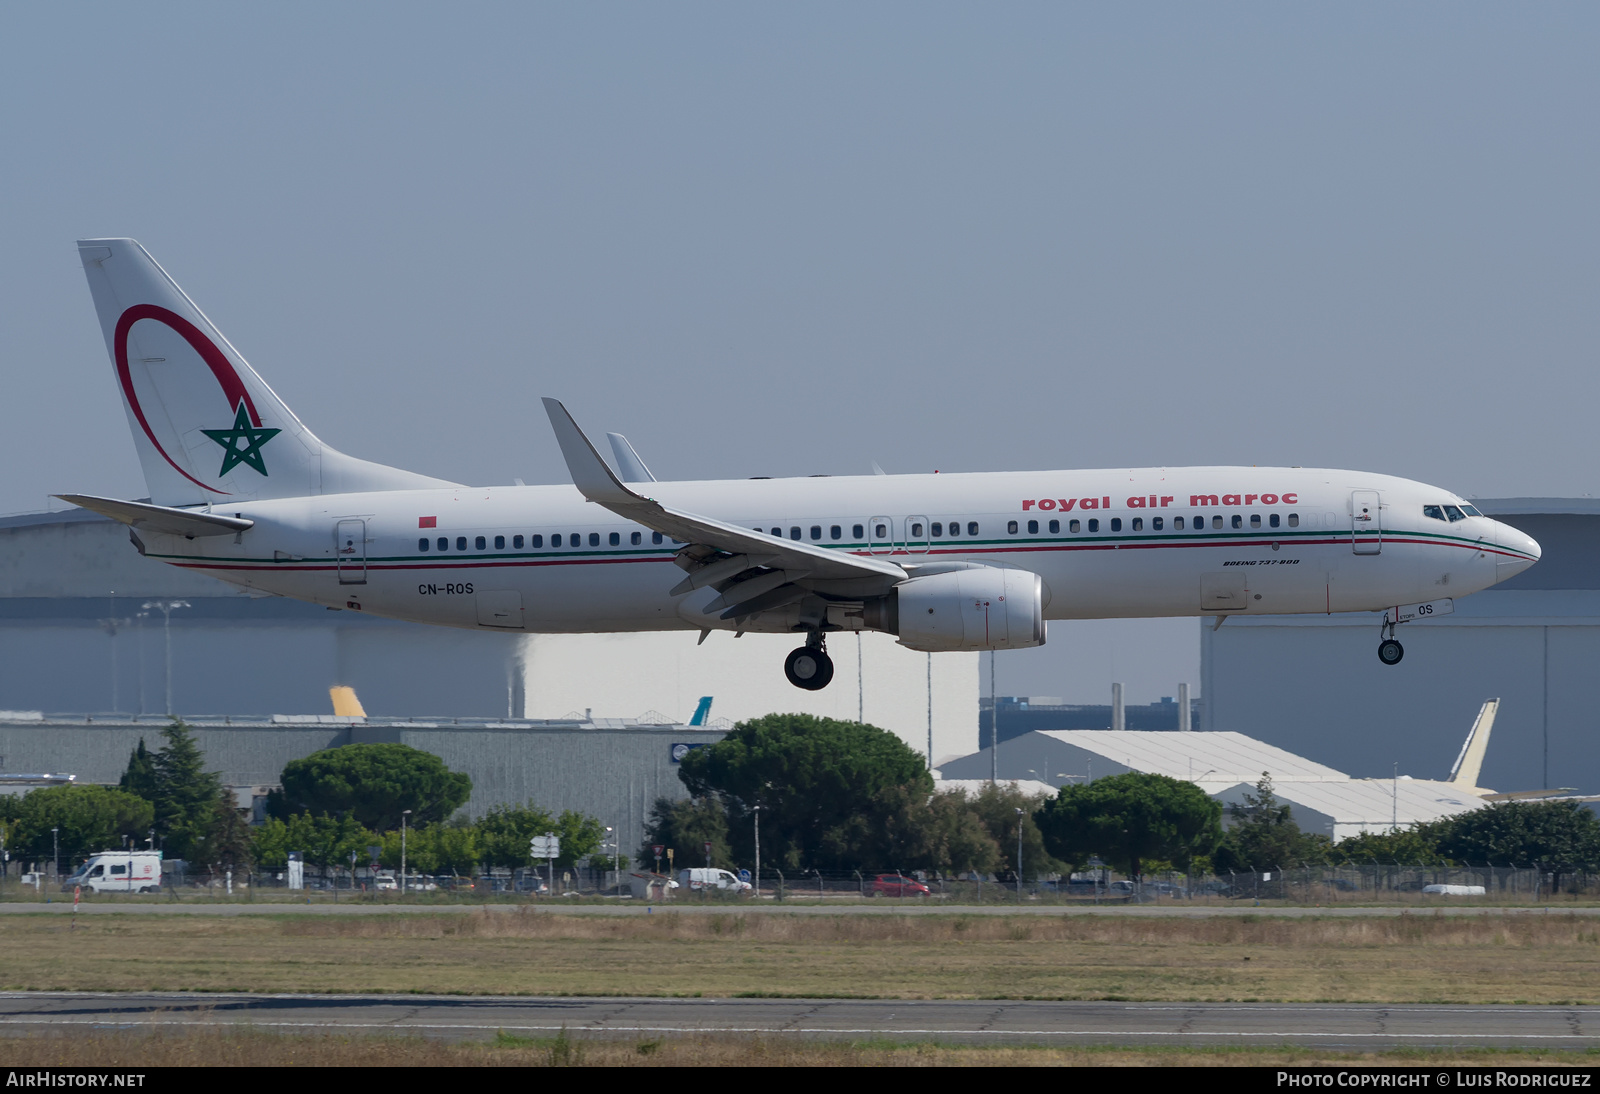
{"points": [[1206, 758], [1374, 802], [974, 787]]}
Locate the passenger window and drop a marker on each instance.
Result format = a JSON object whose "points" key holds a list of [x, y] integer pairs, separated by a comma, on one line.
{"points": [[1073, 526], [1273, 520], [655, 537], [615, 539], [480, 544], [955, 529], [443, 544], [1454, 514], [461, 543], [594, 539], [555, 540], [1216, 521], [778, 532], [1033, 527], [1138, 524], [1294, 520], [972, 527], [1011, 528], [1156, 523], [938, 529], [835, 532], [1177, 522], [816, 531], [794, 532], [880, 531], [857, 531], [636, 538], [1055, 528], [499, 543], [1116, 524], [516, 542], [1199, 522], [422, 544], [1433, 511], [916, 530], [536, 541], [1238, 521], [1255, 520]]}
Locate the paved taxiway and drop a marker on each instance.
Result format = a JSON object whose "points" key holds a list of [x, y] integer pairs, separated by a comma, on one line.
{"points": [[1347, 1026]]}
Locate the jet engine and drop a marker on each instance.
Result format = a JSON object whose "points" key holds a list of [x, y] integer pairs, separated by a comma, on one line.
{"points": [[976, 608]]}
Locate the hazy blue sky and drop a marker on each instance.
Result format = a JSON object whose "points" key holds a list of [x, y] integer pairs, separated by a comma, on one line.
{"points": [[765, 239]]}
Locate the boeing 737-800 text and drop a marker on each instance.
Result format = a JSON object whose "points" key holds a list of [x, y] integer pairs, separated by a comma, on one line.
{"points": [[241, 490]]}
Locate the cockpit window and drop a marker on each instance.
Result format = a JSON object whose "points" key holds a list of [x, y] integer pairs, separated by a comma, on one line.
{"points": [[1433, 511], [1454, 513], [1470, 510]]}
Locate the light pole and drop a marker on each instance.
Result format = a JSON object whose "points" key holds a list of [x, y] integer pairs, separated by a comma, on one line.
{"points": [[757, 812], [1019, 853], [55, 839], [404, 813], [165, 607]]}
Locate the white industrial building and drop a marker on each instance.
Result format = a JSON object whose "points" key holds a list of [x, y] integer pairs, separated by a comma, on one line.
{"points": [[1312, 684], [1227, 766]]}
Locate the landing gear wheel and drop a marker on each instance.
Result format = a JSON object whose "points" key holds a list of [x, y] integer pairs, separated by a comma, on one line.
{"points": [[1390, 651], [809, 667]]}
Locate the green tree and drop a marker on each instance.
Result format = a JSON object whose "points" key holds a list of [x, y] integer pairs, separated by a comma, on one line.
{"points": [[1416, 845], [226, 841], [89, 819], [996, 807], [1557, 837], [817, 780], [184, 792], [685, 827], [373, 783], [324, 841], [1131, 819], [1264, 835], [140, 777], [504, 832]]}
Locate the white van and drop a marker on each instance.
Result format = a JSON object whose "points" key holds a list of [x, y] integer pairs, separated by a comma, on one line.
{"points": [[700, 877], [118, 872]]}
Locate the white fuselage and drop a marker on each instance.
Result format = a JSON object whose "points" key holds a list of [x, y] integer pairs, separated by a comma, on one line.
{"points": [[1123, 543]]}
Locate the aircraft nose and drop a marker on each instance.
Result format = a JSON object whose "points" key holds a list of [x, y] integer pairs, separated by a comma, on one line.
{"points": [[1518, 551]]}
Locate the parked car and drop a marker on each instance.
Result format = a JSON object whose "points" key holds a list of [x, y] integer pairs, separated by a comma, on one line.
{"points": [[898, 885]]}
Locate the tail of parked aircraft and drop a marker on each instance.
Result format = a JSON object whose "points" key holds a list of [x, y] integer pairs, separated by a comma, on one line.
{"points": [[207, 428]]}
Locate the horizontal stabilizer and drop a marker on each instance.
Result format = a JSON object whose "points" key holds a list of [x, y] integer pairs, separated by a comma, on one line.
{"points": [[160, 518]]}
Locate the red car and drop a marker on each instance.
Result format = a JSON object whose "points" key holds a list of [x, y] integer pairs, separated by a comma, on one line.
{"points": [[897, 885]]}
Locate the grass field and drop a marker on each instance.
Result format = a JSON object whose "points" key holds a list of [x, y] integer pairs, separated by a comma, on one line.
{"points": [[248, 1048], [1551, 958]]}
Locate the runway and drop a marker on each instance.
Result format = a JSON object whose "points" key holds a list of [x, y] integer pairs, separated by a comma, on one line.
{"points": [[1330, 1026]]}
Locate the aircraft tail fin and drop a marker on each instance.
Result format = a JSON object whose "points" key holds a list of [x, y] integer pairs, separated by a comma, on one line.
{"points": [[207, 428], [1469, 764]]}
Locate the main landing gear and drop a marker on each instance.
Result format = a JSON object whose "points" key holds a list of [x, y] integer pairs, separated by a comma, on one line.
{"points": [[810, 667], [1389, 651]]}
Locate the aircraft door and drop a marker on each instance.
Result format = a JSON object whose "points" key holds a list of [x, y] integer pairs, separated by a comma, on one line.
{"points": [[1366, 522], [350, 549], [917, 535], [880, 535]]}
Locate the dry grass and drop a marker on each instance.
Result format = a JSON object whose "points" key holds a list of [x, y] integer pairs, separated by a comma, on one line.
{"points": [[1411, 958], [248, 1048]]}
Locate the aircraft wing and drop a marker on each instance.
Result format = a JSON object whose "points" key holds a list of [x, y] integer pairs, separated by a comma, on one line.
{"points": [[161, 518], [728, 550]]}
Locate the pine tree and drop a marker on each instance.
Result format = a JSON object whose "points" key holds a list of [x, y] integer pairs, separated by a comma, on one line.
{"points": [[140, 777], [185, 792], [226, 841]]}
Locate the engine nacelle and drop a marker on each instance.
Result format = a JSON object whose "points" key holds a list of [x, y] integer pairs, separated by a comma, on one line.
{"points": [[982, 608]]}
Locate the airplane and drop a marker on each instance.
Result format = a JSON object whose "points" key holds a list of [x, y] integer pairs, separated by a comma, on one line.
{"points": [[242, 490]]}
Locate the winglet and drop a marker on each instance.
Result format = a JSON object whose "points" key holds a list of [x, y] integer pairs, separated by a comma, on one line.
{"points": [[590, 473]]}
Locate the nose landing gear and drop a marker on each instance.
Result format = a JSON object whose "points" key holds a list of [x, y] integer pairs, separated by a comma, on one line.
{"points": [[1389, 650], [810, 667]]}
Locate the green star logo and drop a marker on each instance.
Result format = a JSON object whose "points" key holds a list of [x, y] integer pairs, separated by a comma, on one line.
{"points": [[251, 437]]}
